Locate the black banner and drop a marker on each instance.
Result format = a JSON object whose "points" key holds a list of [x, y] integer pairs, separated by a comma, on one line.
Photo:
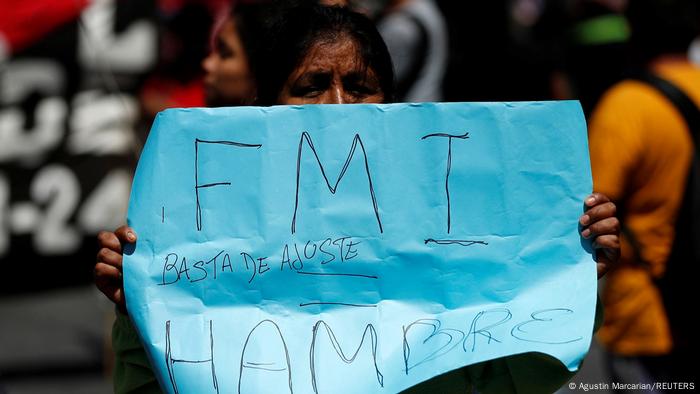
{"points": [[69, 140]]}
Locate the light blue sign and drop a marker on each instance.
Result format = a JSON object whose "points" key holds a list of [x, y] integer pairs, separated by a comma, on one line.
{"points": [[358, 248]]}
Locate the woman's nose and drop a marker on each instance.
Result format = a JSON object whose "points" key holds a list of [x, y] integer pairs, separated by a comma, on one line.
{"points": [[337, 95], [208, 63]]}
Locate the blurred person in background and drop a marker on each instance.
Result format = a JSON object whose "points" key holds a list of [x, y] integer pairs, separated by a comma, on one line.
{"points": [[641, 152], [504, 50], [595, 46], [229, 78], [477, 30], [188, 76], [416, 34], [176, 80], [694, 52]]}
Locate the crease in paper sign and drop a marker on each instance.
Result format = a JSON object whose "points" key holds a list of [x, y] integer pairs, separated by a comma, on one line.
{"points": [[340, 298]]}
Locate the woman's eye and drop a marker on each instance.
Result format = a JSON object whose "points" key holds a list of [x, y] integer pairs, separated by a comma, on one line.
{"points": [[306, 91], [225, 53], [223, 50], [362, 90]]}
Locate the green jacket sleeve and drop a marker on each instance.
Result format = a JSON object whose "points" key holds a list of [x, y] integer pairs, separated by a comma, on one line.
{"points": [[132, 370]]}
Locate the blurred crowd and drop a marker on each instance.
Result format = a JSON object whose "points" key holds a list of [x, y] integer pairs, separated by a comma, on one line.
{"points": [[82, 80]]}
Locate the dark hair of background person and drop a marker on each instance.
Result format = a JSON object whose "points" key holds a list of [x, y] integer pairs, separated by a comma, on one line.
{"points": [[185, 42], [252, 20], [294, 29], [593, 67], [662, 26]]}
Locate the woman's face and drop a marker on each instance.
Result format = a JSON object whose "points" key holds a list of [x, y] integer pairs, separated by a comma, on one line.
{"points": [[228, 79], [332, 73]]}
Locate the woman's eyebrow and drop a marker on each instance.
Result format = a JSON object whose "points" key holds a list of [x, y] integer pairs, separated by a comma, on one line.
{"points": [[221, 45], [313, 76], [357, 76]]}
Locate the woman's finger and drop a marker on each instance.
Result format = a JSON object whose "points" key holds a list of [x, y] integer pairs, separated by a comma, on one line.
{"points": [[597, 213], [607, 242], [595, 199], [106, 274], [108, 239], [118, 298], [608, 226], [125, 234], [110, 257]]}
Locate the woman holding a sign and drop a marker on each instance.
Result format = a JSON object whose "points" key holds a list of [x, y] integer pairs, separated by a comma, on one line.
{"points": [[330, 55]]}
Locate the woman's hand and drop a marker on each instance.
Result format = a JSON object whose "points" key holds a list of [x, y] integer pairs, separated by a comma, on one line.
{"points": [[600, 224], [108, 269]]}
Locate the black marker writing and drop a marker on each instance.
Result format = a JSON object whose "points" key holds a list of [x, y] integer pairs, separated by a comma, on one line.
{"points": [[369, 330], [295, 264], [543, 316], [259, 268], [482, 325], [324, 251], [170, 361], [197, 186], [475, 330], [454, 337], [338, 274], [196, 272], [449, 166], [332, 189], [271, 365], [461, 242], [298, 256]]}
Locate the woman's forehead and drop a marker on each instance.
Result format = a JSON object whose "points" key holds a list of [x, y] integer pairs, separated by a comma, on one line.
{"points": [[227, 31], [342, 52]]}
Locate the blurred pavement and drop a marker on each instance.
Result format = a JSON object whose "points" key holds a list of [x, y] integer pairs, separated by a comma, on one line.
{"points": [[55, 342]]}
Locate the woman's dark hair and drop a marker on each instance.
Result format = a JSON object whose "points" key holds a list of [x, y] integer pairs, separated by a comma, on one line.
{"points": [[252, 21], [295, 28]]}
